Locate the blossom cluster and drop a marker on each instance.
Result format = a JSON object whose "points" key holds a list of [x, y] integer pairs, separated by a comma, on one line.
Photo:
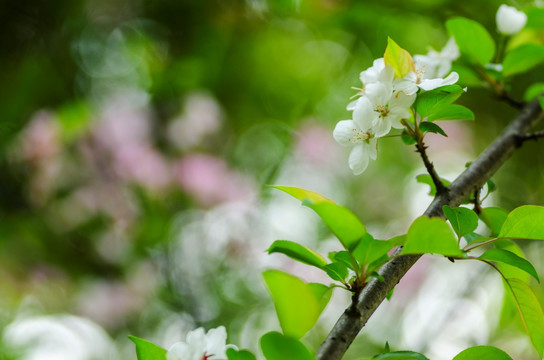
{"points": [[386, 98]]}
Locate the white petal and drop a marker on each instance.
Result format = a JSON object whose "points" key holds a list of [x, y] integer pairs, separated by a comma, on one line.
{"points": [[379, 93], [364, 114], [372, 148], [352, 105], [358, 160], [450, 50], [216, 341], [381, 126], [430, 84], [344, 131], [178, 351], [406, 86], [402, 100], [396, 115]]}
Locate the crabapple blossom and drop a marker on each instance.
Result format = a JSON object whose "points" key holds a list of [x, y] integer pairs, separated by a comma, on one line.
{"points": [[510, 20], [200, 345], [350, 133]]}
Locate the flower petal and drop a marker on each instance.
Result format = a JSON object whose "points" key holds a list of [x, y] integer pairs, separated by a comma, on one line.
{"points": [[215, 342], [402, 100], [405, 86], [371, 148], [430, 84], [178, 351], [364, 114], [382, 126], [358, 159], [344, 131]]}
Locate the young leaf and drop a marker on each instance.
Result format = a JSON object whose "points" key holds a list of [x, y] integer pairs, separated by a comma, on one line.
{"points": [[530, 311], [522, 59], [276, 346], [369, 250], [398, 58], [493, 217], [336, 271], [426, 179], [426, 126], [407, 139], [302, 194], [473, 40], [429, 102], [452, 112], [524, 222], [297, 305], [482, 353], [533, 91], [473, 237], [341, 221], [344, 258], [431, 235], [462, 220], [297, 252], [233, 354], [508, 257], [146, 350], [322, 294]]}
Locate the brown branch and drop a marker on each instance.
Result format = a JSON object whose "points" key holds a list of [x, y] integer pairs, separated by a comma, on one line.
{"points": [[530, 136], [355, 317]]}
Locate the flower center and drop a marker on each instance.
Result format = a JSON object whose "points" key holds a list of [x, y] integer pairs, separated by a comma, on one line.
{"points": [[420, 71], [205, 357], [383, 110], [360, 136]]}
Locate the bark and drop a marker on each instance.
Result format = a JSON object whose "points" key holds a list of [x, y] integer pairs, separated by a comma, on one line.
{"points": [[355, 317]]}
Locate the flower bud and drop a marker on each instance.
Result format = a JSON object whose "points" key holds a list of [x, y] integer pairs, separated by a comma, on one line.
{"points": [[510, 20]]}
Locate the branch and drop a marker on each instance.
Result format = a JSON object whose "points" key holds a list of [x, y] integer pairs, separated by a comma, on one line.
{"points": [[355, 317], [530, 136]]}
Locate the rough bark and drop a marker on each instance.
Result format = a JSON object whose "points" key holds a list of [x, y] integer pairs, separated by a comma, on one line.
{"points": [[355, 317]]}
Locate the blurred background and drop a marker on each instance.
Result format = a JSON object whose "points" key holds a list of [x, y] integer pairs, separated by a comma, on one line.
{"points": [[137, 138]]}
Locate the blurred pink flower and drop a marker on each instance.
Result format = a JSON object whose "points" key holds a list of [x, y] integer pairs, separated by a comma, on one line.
{"points": [[209, 180], [143, 165], [316, 145], [202, 117], [40, 140]]}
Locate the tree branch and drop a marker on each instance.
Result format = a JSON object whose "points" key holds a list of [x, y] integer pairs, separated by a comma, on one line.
{"points": [[355, 317]]}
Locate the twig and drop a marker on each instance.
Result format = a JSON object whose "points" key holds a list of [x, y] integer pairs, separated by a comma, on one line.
{"points": [[530, 136], [421, 149], [355, 317]]}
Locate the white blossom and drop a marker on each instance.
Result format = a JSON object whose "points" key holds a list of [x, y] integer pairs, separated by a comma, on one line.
{"points": [[201, 346], [430, 70], [349, 133], [381, 109], [510, 20], [377, 73]]}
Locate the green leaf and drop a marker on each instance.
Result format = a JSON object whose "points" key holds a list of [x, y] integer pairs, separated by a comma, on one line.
{"points": [[336, 271], [535, 18], [303, 194], [525, 222], [146, 350], [472, 237], [462, 220], [426, 179], [297, 252], [452, 112], [297, 305], [530, 311], [482, 353], [429, 102], [398, 58], [533, 91], [276, 346], [407, 139], [541, 101], [344, 258], [431, 235], [322, 294], [522, 59], [401, 355], [340, 220], [493, 217], [508, 257], [473, 40], [233, 354], [426, 126], [510, 271], [369, 250]]}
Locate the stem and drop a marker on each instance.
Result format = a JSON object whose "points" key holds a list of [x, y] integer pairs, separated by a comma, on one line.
{"points": [[363, 306], [467, 248], [500, 91], [421, 149]]}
